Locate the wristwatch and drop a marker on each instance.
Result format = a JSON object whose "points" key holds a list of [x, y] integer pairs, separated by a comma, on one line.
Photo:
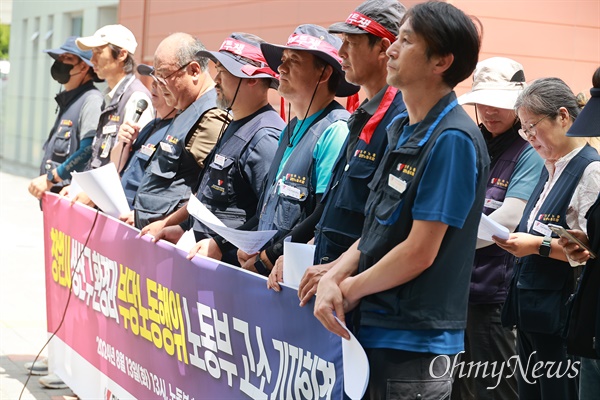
{"points": [[545, 247], [260, 266], [50, 174]]}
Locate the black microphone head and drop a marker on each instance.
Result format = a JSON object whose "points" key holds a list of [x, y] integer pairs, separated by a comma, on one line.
{"points": [[141, 106]]}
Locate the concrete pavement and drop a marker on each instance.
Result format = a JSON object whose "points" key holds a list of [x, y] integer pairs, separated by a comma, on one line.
{"points": [[22, 291]]}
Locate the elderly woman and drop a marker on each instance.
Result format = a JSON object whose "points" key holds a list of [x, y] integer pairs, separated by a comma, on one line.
{"points": [[543, 278], [584, 331]]}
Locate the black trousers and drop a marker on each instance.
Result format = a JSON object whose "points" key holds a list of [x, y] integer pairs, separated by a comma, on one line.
{"points": [[550, 373], [404, 375]]}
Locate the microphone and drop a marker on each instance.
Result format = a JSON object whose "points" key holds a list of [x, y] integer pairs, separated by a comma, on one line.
{"points": [[140, 107]]}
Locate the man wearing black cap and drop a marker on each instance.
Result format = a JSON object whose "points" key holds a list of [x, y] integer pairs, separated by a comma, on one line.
{"points": [[409, 272], [310, 77], [67, 148], [231, 182], [136, 145], [366, 35]]}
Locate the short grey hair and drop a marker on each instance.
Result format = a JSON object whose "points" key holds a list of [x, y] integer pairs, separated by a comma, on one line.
{"points": [[546, 96], [188, 50]]}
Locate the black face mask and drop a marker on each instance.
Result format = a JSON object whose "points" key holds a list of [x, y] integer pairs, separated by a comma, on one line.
{"points": [[61, 72]]}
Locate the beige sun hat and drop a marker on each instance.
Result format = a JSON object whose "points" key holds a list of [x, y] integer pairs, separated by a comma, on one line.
{"points": [[114, 34], [497, 82]]}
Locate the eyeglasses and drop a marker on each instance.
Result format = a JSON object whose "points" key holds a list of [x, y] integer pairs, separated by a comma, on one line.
{"points": [[163, 81], [529, 132]]}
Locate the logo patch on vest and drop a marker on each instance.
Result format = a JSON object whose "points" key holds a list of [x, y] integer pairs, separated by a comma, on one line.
{"points": [[406, 169], [66, 122], [502, 183], [172, 140], [367, 155], [549, 218], [295, 178], [114, 118]]}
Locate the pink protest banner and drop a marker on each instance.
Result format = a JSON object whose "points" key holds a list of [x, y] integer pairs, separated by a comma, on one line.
{"points": [[144, 322]]}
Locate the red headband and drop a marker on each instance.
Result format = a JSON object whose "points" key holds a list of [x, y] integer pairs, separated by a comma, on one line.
{"points": [[243, 49], [309, 42], [369, 25], [251, 70]]}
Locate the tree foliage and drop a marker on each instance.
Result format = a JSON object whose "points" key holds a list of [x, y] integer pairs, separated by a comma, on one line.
{"points": [[4, 40]]}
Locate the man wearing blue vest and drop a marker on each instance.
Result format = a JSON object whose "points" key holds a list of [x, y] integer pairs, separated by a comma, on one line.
{"points": [[367, 33], [311, 76], [68, 148], [231, 182], [140, 143], [113, 47], [409, 272], [173, 170]]}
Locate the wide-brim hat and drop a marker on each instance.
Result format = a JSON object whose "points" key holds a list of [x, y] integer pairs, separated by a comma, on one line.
{"points": [[118, 35], [317, 41], [378, 17], [242, 57], [587, 123], [497, 82], [70, 47]]}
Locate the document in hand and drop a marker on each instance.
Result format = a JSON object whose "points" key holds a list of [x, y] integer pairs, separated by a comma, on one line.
{"points": [[488, 228], [356, 366], [248, 241], [296, 258], [103, 187]]}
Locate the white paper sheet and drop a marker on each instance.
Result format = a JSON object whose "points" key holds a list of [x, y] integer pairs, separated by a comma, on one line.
{"points": [[187, 241], [296, 258], [74, 189], [103, 187], [356, 366], [488, 228], [248, 241]]}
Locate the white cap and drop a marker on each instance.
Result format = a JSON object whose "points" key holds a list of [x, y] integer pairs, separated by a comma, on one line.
{"points": [[113, 34], [497, 82]]}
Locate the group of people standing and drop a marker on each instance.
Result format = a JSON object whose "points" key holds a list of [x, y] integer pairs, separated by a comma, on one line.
{"points": [[391, 194]]}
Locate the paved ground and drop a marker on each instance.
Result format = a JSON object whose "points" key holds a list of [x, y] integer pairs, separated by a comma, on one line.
{"points": [[22, 291]]}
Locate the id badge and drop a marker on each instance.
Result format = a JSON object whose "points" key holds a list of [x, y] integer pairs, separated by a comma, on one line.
{"points": [[219, 160], [396, 183], [147, 150], [109, 129], [166, 147], [289, 191], [106, 147], [493, 204], [542, 228]]}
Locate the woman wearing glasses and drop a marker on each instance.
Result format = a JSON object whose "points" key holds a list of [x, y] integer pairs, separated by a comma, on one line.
{"points": [[543, 278]]}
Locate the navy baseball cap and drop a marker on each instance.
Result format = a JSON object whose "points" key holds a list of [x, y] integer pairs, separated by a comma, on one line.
{"points": [[71, 47]]}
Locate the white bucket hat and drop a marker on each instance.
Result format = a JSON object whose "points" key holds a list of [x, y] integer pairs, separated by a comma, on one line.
{"points": [[113, 34], [497, 82]]}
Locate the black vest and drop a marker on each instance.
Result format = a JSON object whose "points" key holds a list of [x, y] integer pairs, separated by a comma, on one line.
{"points": [[223, 188], [63, 140], [492, 268], [345, 197], [541, 286], [173, 170], [133, 172], [437, 298], [282, 210], [111, 119]]}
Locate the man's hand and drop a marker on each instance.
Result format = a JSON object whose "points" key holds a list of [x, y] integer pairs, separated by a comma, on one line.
{"points": [[128, 218], [83, 198], [153, 228], [128, 132], [276, 275], [573, 250], [520, 244], [248, 265], [310, 280], [207, 248], [243, 257], [171, 234], [39, 185], [330, 301]]}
